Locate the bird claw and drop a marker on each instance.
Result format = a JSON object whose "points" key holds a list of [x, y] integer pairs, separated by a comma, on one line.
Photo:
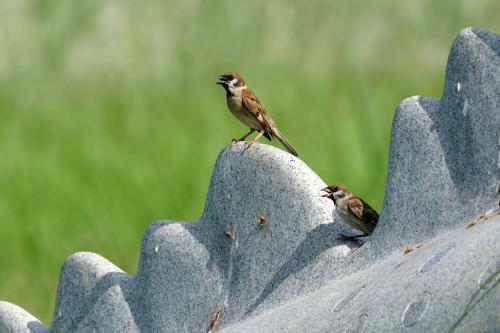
{"points": [[248, 144], [233, 141]]}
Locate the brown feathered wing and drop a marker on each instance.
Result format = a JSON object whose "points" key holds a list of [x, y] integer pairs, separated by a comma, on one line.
{"points": [[255, 107], [364, 212]]}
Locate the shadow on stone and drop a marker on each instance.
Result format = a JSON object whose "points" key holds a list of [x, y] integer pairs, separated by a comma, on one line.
{"points": [[316, 242], [37, 327], [488, 39]]}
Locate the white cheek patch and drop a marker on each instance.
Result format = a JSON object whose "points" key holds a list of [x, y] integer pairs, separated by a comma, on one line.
{"points": [[233, 82]]}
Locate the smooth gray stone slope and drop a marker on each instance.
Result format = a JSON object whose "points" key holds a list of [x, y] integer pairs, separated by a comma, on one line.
{"points": [[89, 282], [444, 161], [449, 284], [293, 275], [201, 269]]}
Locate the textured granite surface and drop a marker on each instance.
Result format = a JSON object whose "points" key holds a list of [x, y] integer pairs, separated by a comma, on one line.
{"points": [[438, 287], [291, 274], [444, 161], [13, 319]]}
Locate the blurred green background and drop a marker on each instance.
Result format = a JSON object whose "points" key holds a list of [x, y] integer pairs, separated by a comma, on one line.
{"points": [[110, 117]]}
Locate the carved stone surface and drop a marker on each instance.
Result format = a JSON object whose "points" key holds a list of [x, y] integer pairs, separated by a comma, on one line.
{"points": [[13, 319], [291, 274]]}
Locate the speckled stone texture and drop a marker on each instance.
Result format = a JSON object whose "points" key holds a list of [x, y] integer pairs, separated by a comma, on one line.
{"points": [[292, 274], [13, 319], [444, 162]]}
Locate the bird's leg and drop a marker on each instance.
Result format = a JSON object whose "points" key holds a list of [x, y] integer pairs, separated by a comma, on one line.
{"points": [[249, 143], [244, 136], [350, 238]]}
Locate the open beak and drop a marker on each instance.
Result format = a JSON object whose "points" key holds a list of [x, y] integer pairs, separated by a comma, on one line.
{"points": [[328, 192], [221, 80]]}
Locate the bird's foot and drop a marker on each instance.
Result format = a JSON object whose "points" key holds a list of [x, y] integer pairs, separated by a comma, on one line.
{"points": [[248, 144], [233, 141]]}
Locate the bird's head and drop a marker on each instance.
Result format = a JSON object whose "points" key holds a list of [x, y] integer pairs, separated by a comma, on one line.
{"points": [[231, 81], [336, 192]]}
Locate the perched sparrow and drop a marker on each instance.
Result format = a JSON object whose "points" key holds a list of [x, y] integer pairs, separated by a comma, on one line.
{"points": [[245, 106], [354, 211]]}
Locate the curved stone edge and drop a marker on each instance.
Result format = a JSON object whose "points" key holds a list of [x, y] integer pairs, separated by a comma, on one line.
{"points": [[413, 162], [213, 265], [84, 277], [177, 286], [14, 319], [444, 154], [435, 288], [110, 313], [472, 101]]}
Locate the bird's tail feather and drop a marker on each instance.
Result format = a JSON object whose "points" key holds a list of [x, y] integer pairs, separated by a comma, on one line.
{"points": [[277, 134]]}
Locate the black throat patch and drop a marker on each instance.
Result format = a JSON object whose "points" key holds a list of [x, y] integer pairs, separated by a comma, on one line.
{"points": [[228, 92]]}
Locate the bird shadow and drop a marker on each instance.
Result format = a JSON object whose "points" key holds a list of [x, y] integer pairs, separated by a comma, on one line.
{"points": [[318, 240]]}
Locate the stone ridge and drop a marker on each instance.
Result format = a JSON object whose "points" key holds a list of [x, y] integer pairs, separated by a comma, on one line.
{"points": [[292, 274], [449, 284], [444, 155]]}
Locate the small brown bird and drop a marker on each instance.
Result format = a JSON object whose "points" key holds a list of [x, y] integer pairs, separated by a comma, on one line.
{"points": [[354, 211], [245, 106]]}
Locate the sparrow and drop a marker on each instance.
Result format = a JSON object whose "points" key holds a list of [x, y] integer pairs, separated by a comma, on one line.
{"points": [[354, 211], [244, 105]]}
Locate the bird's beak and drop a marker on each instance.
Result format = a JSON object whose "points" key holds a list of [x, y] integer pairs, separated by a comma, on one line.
{"points": [[221, 80], [328, 192]]}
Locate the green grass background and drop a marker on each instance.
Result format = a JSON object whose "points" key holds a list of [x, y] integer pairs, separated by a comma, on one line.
{"points": [[110, 117]]}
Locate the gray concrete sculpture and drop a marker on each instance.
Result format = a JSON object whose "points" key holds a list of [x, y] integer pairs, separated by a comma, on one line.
{"points": [[230, 273]]}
